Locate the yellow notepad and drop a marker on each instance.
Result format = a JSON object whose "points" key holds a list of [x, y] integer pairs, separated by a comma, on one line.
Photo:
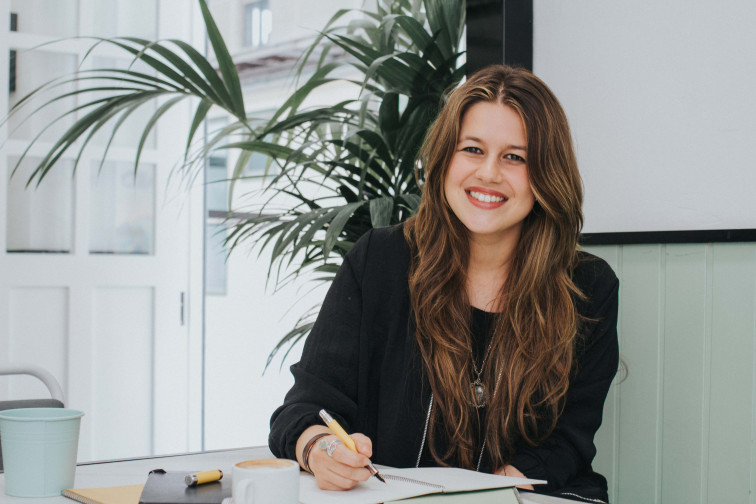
{"points": [[128, 494]]}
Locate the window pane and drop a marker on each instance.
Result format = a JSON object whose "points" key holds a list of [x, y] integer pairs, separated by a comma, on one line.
{"points": [[215, 258], [122, 18], [130, 131], [258, 23], [260, 164], [122, 209], [266, 26], [216, 189], [32, 69], [216, 199], [40, 218], [216, 176], [57, 18], [248, 25], [255, 27]]}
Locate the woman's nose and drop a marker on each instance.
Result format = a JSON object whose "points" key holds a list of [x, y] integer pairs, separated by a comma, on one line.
{"points": [[488, 171]]}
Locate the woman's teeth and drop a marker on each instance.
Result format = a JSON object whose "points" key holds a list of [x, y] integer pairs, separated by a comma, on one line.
{"points": [[486, 198]]}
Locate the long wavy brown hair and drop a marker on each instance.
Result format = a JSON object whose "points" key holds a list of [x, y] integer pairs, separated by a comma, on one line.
{"points": [[533, 334]]}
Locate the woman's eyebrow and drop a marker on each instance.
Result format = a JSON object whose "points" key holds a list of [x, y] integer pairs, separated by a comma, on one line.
{"points": [[476, 139], [471, 138]]}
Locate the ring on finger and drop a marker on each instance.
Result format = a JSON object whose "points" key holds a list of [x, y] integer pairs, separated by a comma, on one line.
{"points": [[329, 447], [332, 446]]}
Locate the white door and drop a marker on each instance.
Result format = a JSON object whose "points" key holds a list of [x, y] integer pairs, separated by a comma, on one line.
{"points": [[96, 270]]}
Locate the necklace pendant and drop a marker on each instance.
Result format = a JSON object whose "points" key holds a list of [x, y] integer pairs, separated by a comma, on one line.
{"points": [[478, 393]]}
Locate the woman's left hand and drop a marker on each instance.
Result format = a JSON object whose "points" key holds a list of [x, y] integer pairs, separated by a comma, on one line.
{"points": [[510, 470]]}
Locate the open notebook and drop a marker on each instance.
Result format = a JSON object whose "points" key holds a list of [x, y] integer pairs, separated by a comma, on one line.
{"points": [[404, 483]]}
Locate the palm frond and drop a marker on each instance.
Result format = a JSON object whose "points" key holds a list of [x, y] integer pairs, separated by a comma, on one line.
{"points": [[180, 72], [341, 169]]}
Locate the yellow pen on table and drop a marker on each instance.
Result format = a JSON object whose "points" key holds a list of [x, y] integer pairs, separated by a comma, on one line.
{"points": [[203, 477], [346, 439]]}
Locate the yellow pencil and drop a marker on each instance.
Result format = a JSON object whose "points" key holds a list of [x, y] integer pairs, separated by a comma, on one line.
{"points": [[347, 440]]}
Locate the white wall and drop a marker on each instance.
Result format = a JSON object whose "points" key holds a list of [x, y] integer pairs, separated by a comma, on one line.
{"points": [[660, 97], [242, 328]]}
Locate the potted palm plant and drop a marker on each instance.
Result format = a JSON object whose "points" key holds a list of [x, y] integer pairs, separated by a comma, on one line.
{"points": [[342, 168]]}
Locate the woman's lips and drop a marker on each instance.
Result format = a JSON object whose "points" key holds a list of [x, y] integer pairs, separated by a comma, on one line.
{"points": [[485, 198]]}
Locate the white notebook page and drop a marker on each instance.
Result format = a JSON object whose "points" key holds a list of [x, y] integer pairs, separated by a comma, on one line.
{"points": [[451, 479]]}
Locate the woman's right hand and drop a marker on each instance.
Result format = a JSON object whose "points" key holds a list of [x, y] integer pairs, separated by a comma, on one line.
{"points": [[343, 469]]}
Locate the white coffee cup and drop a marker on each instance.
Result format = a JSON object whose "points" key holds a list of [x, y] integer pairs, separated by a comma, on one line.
{"points": [[266, 481]]}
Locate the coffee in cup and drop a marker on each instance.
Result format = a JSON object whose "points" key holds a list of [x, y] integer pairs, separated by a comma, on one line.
{"points": [[266, 480]]}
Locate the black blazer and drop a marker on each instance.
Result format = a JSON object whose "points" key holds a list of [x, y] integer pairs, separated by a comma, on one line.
{"points": [[361, 363]]}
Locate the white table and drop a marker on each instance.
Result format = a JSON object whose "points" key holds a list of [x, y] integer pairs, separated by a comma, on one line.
{"points": [[134, 471]]}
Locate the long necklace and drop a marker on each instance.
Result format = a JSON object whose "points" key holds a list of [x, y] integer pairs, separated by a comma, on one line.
{"points": [[477, 388], [427, 421]]}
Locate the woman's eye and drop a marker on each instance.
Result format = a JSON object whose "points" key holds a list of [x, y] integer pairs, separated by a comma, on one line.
{"points": [[473, 150], [515, 157]]}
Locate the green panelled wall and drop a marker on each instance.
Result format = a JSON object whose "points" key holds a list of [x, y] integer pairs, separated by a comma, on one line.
{"points": [[679, 426]]}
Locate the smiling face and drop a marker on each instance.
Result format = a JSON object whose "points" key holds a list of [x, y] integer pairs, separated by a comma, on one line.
{"points": [[487, 184]]}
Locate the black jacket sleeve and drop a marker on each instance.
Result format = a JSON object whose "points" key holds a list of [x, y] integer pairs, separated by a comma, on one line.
{"points": [[326, 375], [569, 450]]}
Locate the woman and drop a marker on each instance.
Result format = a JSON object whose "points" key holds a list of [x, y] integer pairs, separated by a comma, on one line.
{"points": [[475, 335]]}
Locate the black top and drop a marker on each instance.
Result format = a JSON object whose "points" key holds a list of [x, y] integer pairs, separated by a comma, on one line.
{"points": [[361, 363]]}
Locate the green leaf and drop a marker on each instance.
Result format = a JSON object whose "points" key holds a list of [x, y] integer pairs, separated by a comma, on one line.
{"points": [[150, 124], [209, 73], [388, 112], [190, 76], [199, 116], [269, 148], [125, 110], [380, 211], [447, 21], [412, 201], [73, 133], [225, 63], [131, 108], [319, 224], [139, 53], [337, 226]]}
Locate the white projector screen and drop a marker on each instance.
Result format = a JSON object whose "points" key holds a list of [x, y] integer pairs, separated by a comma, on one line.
{"points": [[661, 99]]}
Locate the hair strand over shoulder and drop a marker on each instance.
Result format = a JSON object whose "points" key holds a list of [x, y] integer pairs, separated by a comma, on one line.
{"points": [[535, 330]]}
